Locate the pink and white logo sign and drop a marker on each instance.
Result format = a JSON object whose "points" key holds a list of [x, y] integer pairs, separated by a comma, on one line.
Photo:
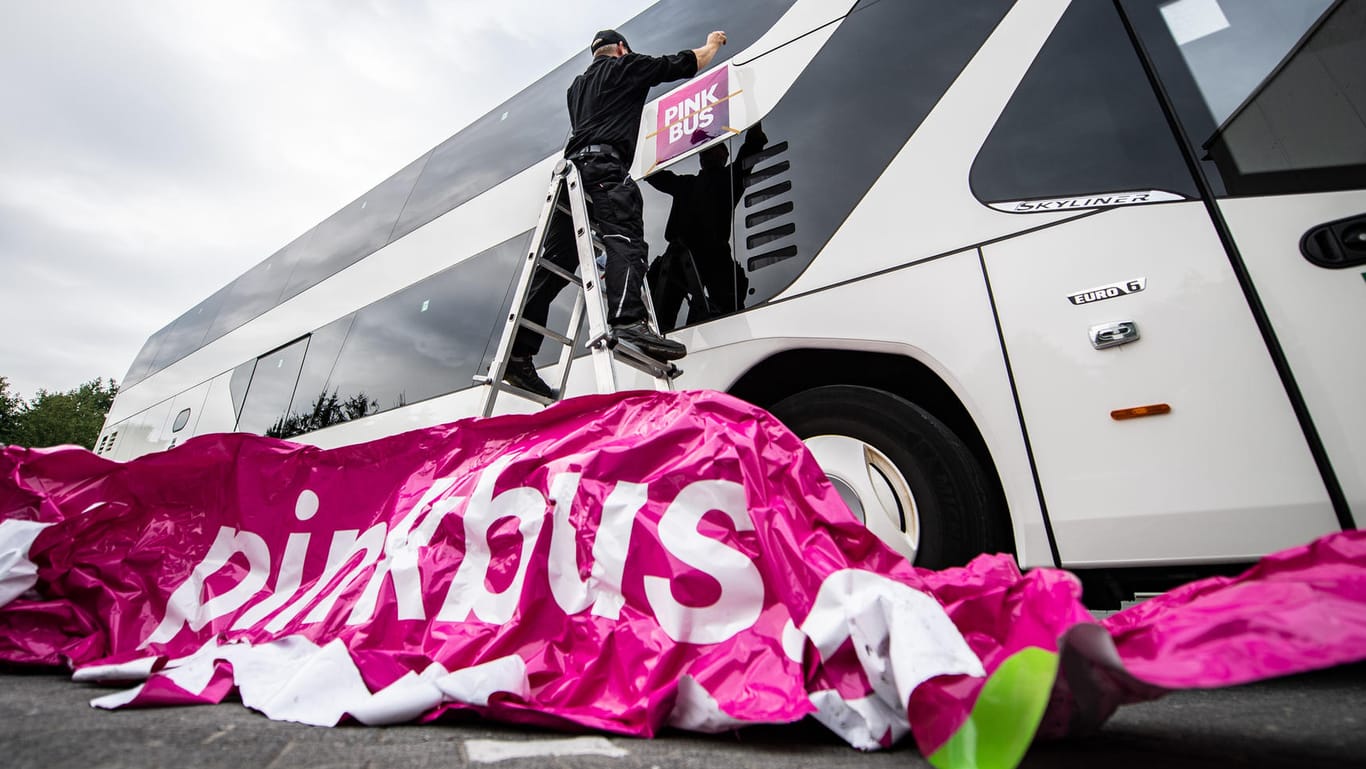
{"points": [[616, 562], [694, 115]]}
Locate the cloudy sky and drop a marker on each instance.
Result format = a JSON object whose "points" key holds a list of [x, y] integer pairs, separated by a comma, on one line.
{"points": [[153, 150]]}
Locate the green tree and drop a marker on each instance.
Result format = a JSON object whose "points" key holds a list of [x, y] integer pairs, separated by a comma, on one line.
{"points": [[74, 417], [11, 405]]}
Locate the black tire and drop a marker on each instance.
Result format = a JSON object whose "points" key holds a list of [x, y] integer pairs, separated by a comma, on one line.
{"points": [[953, 508]]}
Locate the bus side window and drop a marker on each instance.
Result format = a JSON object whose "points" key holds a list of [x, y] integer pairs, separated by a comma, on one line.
{"points": [[313, 406], [271, 388], [428, 339]]}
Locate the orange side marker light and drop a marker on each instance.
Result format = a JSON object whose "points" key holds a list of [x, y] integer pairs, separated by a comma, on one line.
{"points": [[1141, 411]]}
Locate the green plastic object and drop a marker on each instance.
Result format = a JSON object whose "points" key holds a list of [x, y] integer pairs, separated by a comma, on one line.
{"points": [[1006, 715]]}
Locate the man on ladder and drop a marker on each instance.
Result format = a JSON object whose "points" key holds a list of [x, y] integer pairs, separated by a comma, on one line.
{"points": [[605, 103]]}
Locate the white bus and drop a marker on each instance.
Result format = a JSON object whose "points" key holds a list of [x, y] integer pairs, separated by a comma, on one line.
{"points": [[1078, 280]]}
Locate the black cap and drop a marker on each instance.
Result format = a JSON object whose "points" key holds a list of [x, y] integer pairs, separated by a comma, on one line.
{"points": [[607, 37]]}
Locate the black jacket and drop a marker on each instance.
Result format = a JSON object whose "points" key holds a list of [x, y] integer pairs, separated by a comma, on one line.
{"points": [[606, 100]]}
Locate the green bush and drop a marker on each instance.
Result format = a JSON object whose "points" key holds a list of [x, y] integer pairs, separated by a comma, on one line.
{"points": [[53, 419]]}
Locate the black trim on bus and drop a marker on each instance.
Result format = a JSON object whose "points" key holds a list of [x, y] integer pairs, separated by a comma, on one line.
{"points": [[1019, 413], [798, 38], [1240, 271], [1080, 122]]}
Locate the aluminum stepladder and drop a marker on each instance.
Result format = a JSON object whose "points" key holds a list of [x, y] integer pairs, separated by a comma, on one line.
{"points": [[566, 198]]}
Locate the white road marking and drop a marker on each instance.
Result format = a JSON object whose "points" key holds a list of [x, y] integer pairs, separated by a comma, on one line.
{"points": [[489, 751]]}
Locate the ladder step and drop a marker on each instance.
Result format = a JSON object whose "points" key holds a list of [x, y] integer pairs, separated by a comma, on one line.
{"points": [[529, 395], [636, 358], [485, 379], [545, 332], [562, 272]]}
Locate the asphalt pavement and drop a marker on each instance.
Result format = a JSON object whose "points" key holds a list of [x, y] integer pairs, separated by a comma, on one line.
{"points": [[1312, 720]]}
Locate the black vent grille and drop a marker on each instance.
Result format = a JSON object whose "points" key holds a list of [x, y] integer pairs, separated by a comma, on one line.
{"points": [[768, 225]]}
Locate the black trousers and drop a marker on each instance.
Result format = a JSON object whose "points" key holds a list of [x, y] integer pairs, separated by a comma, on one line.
{"points": [[617, 213]]}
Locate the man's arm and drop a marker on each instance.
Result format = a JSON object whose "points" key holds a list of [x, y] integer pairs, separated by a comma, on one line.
{"points": [[708, 51], [664, 181], [653, 70]]}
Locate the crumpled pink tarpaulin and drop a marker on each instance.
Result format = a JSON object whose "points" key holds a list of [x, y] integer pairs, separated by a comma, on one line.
{"points": [[614, 562]]}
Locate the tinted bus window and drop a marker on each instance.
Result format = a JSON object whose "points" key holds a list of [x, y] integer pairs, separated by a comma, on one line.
{"points": [[354, 232], [271, 388], [314, 406], [1271, 97], [518, 133], [256, 290], [187, 333], [1083, 120], [142, 364], [237, 386], [688, 213], [430, 338]]}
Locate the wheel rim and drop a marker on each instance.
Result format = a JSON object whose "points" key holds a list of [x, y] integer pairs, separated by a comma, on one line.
{"points": [[873, 488]]}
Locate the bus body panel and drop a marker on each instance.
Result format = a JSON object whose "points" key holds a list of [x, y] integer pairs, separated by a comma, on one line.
{"points": [[1227, 474], [1318, 315], [143, 433]]}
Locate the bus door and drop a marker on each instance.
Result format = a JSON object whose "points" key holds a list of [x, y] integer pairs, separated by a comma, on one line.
{"points": [[1269, 100]]}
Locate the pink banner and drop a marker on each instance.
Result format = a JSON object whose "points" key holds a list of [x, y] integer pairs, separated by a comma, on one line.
{"points": [[614, 562], [693, 115]]}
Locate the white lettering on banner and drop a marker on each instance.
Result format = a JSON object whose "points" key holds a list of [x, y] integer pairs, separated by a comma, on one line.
{"points": [[400, 556], [692, 114], [469, 590], [18, 573], [603, 586], [345, 545], [393, 554], [286, 582], [878, 613], [742, 587], [185, 607]]}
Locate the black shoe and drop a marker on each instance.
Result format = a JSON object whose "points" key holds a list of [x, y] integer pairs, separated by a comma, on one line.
{"points": [[521, 372], [640, 336]]}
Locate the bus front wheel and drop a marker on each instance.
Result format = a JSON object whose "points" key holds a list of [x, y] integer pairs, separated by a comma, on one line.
{"points": [[900, 470]]}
